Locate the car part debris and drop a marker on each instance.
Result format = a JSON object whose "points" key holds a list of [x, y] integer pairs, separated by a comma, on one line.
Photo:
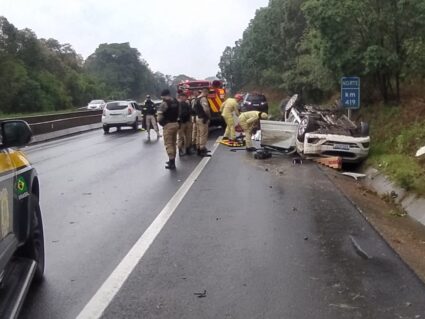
{"points": [[332, 162], [201, 294], [359, 250], [297, 160], [262, 154], [279, 135], [356, 176], [420, 151]]}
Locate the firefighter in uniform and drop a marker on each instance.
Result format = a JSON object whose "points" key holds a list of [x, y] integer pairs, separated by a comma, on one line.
{"points": [[228, 108], [247, 121], [203, 116], [168, 114], [185, 125], [149, 113]]}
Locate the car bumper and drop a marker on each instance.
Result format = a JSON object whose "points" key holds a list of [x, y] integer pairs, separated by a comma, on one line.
{"points": [[351, 149], [118, 120]]}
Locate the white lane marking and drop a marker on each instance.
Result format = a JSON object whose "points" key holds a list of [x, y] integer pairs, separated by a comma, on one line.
{"points": [[103, 297]]}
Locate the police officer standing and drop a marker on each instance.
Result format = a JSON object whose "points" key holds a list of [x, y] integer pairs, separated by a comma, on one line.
{"points": [[168, 115], [149, 111], [192, 104], [203, 116], [185, 125]]}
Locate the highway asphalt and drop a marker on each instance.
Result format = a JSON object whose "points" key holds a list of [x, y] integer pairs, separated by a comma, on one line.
{"points": [[249, 238]]}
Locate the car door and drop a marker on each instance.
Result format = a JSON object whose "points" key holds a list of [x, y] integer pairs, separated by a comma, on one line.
{"points": [[138, 110], [8, 241]]}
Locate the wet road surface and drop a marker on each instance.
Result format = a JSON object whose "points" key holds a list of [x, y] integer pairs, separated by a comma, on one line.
{"points": [[251, 239]]}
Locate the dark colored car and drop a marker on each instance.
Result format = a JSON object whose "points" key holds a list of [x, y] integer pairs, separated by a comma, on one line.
{"points": [[21, 227], [254, 102]]}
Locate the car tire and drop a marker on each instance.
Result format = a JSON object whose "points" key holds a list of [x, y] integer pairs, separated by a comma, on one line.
{"points": [[106, 129], [34, 246], [135, 125], [306, 125], [364, 129]]}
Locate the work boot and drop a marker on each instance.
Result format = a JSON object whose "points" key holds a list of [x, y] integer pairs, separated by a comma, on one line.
{"points": [[181, 152], [204, 153], [171, 164], [251, 149]]}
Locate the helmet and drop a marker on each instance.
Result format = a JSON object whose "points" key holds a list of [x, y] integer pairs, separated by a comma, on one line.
{"points": [[238, 97], [263, 116]]}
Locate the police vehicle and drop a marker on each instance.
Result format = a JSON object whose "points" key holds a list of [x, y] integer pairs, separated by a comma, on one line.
{"points": [[21, 228]]}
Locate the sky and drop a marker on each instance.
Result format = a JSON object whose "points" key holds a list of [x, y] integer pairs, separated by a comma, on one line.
{"points": [[174, 37]]}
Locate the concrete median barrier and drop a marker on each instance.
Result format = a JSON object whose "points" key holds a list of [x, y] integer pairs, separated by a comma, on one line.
{"points": [[46, 127]]}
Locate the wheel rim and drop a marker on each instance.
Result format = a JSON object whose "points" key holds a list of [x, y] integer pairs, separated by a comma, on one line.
{"points": [[302, 127]]}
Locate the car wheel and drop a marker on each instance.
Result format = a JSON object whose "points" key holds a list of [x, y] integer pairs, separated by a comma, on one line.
{"points": [[364, 129], [106, 129], [306, 125], [34, 246], [135, 125]]}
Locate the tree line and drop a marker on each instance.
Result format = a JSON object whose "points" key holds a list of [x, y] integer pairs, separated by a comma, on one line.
{"points": [[306, 46], [45, 75]]}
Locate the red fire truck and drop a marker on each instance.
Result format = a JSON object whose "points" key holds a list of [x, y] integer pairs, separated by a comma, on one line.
{"points": [[216, 96]]}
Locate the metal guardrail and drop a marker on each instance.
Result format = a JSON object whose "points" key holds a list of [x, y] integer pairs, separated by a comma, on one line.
{"points": [[41, 124]]}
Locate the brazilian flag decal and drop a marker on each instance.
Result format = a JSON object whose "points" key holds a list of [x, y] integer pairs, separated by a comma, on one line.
{"points": [[21, 185]]}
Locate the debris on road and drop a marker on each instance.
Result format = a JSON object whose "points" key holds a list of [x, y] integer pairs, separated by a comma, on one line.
{"points": [[201, 294], [297, 160], [262, 154], [332, 162], [356, 176], [343, 306], [359, 250]]}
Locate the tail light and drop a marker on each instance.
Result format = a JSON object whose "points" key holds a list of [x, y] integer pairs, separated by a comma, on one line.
{"points": [[130, 110]]}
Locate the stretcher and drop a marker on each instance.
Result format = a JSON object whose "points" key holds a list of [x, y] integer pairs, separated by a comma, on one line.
{"points": [[237, 143]]}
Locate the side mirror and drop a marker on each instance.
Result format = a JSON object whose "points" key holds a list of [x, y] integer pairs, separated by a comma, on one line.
{"points": [[15, 133]]}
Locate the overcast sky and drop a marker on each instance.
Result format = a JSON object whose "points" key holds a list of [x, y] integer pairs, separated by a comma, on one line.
{"points": [[174, 37]]}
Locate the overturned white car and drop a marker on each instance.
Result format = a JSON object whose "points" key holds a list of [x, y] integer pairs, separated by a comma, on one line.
{"points": [[323, 132]]}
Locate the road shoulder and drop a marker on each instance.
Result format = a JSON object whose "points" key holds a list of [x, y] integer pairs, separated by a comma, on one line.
{"points": [[403, 233]]}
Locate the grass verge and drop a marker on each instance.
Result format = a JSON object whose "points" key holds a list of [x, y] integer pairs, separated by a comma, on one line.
{"points": [[397, 132]]}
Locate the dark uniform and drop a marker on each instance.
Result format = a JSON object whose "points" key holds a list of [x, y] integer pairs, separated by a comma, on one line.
{"points": [[149, 112], [185, 130], [168, 115]]}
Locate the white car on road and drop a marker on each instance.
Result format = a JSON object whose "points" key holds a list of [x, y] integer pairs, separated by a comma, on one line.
{"points": [[96, 105], [121, 113]]}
